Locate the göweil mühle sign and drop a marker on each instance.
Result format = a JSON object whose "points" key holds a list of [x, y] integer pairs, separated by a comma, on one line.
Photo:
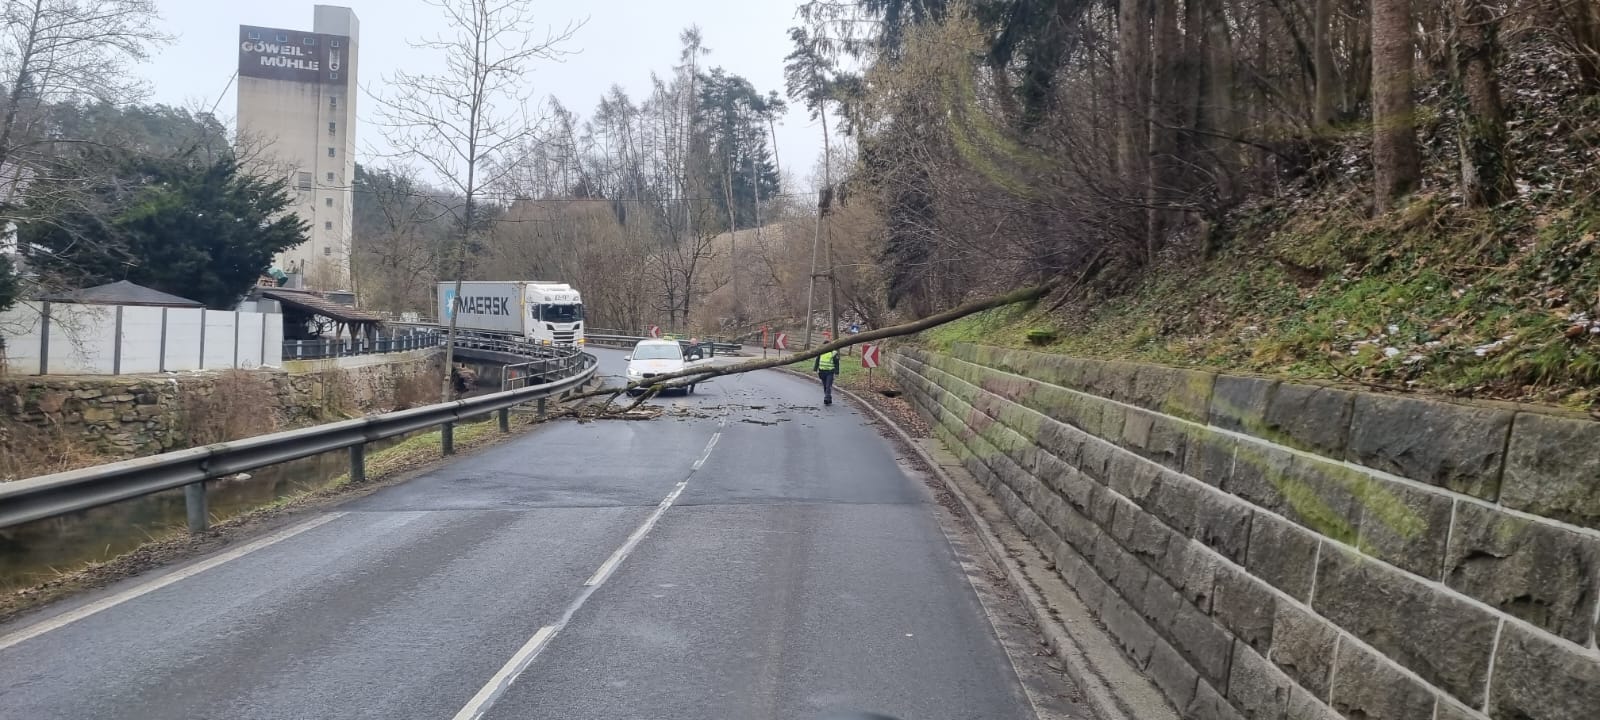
{"points": [[278, 54]]}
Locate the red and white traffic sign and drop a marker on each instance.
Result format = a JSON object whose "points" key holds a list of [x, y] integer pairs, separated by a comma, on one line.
{"points": [[869, 356], [655, 331], [782, 342]]}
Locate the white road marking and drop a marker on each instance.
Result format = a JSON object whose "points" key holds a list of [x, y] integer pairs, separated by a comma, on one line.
{"points": [[524, 657], [508, 674], [707, 454], [67, 618], [622, 553]]}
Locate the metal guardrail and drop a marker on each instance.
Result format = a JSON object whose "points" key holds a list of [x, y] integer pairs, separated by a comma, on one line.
{"points": [[50, 496], [628, 341], [346, 347]]}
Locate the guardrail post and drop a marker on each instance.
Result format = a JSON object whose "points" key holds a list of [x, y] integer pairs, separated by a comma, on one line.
{"points": [[358, 464], [541, 408], [447, 438], [505, 420], [194, 503]]}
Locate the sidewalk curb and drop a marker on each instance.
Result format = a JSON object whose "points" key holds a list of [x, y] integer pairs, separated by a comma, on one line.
{"points": [[1098, 695]]}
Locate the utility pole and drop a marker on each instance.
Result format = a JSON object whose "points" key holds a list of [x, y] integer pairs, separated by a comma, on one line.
{"points": [[823, 202], [833, 284]]}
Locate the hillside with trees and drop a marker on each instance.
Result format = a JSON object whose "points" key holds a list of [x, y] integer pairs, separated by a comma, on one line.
{"points": [[1382, 191]]}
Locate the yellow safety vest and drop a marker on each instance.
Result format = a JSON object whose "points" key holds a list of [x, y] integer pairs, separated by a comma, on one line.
{"points": [[828, 361]]}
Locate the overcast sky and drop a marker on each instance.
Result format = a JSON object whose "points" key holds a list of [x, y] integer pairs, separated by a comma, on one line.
{"points": [[622, 42]]}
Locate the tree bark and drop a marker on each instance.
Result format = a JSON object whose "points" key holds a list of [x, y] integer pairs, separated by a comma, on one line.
{"points": [[1167, 67], [1219, 111], [1581, 20], [1487, 177], [1327, 75], [1396, 160], [683, 378], [1133, 75]]}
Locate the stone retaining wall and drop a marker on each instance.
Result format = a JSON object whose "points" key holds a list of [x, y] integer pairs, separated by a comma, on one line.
{"points": [[51, 423], [1266, 549]]}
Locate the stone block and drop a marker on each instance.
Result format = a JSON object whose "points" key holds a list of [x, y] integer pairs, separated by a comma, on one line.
{"points": [[1193, 571], [1115, 381], [1061, 440], [1075, 487], [1220, 521], [1182, 393], [1167, 444], [1160, 603], [1096, 460], [1540, 677], [1244, 606], [1442, 638], [1090, 587], [1303, 646], [1451, 446], [1104, 507], [1107, 556], [1134, 478], [1256, 688], [1111, 416], [1201, 639], [1240, 403], [1172, 674], [1369, 687], [1152, 539], [1259, 473], [1282, 554], [1403, 525], [99, 415], [1131, 580], [1309, 417], [1135, 636], [1327, 498], [1209, 456], [1552, 469], [1544, 574], [1302, 706], [1208, 704]]}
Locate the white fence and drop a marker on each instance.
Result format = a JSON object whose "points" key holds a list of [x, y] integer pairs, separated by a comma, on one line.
{"points": [[71, 339]]}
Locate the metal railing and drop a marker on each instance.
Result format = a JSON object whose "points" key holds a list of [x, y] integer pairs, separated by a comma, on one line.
{"points": [[344, 347], [50, 496], [707, 348]]}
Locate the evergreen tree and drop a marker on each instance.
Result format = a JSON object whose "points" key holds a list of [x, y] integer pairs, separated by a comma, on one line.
{"points": [[741, 162], [198, 228]]}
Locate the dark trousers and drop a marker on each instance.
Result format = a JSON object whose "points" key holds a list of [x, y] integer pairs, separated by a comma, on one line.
{"points": [[827, 382]]}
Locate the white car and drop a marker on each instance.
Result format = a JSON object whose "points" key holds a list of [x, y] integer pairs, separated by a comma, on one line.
{"points": [[656, 357]]}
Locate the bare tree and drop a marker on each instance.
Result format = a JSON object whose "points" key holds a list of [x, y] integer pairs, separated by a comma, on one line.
{"points": [[56, 50], [1486, 173], [461, 123], [1395, 157]]}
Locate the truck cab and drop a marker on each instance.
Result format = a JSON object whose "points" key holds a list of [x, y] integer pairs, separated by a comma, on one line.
{"points": [[555, 314]]}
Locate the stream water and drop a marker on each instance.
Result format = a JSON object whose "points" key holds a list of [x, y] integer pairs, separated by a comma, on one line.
{"points": [[38, 551]]}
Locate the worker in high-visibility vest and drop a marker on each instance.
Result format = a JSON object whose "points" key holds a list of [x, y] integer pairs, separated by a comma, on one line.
{"points": [[827, 367]]}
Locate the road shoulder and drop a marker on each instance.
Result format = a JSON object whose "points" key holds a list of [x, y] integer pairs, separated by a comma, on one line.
{"points": [[1105, 680]]}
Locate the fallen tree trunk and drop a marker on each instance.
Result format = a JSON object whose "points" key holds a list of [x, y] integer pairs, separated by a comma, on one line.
{"points": [[684, 378]]}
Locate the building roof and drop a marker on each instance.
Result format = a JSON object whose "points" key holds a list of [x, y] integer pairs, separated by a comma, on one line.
{"points": [[122, 292], [319, 305]]}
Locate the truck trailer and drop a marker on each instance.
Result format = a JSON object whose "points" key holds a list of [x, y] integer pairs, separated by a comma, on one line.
{"points": [[545, 313]]}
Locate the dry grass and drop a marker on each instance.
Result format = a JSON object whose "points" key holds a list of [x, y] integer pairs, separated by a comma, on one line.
{"points": [[239, 404], [30, 450]]}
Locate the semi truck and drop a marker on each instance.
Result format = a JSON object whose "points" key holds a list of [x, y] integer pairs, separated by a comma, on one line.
{"points": [[546, 313]]}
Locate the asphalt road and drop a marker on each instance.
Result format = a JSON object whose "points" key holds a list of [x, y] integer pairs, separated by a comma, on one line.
{"points": [[750, 554]]}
